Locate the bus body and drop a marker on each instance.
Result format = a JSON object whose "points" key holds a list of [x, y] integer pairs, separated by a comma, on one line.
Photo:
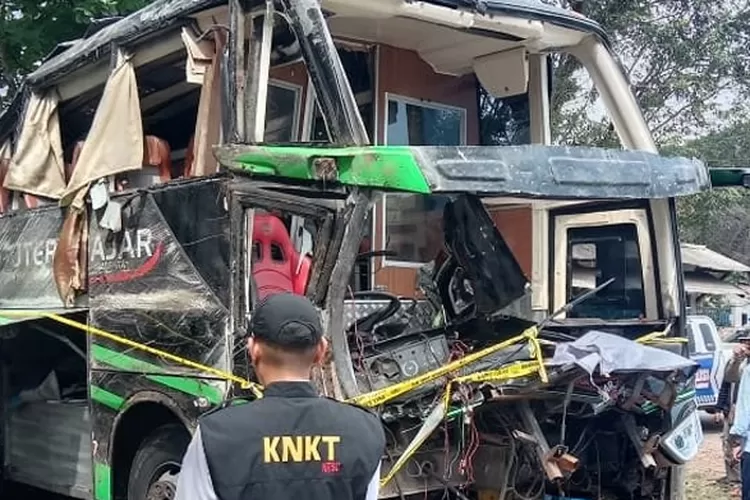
{"points": [[131, 259]]}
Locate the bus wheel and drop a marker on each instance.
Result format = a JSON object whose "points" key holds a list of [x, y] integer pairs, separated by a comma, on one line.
{"points": [[154, 471]]}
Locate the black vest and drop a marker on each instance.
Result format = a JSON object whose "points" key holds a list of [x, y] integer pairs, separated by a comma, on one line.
{"points": [[292, 444]]}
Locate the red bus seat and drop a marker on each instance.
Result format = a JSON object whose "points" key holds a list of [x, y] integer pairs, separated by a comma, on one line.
{"points": [[276, 266], [157, 163]]}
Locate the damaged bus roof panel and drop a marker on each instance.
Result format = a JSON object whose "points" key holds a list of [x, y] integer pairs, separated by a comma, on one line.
{"points": [[154, 17], [532, 9], [527, 171]]}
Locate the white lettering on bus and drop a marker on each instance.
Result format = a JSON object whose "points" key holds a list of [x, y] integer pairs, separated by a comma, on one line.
{"points": [[33, 253], [136, 244]]}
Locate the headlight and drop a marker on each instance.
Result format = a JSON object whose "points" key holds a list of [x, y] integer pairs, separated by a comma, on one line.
{"points": [[681, 443]]}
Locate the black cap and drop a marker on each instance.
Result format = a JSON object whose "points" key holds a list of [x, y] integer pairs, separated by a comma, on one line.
{"points": [[287, 321]]}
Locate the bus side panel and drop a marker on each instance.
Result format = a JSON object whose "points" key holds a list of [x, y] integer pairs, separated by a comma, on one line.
{"points": [[124, 408], [49, 447], [162, 282], [27, 245], [160, 285]]}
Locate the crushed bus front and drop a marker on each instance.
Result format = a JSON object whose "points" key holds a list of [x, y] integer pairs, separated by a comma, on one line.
{"points": [[470, 380]]}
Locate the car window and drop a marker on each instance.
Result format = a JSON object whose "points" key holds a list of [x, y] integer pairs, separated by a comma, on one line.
{"points": [[708, 337], [691, 339]]}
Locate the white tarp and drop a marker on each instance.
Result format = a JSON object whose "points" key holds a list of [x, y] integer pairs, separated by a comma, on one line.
{"points": [[37, 167], [115, 141], [611, 353]]}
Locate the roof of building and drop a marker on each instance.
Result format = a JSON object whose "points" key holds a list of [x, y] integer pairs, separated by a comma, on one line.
{"points": [[703, 257]]}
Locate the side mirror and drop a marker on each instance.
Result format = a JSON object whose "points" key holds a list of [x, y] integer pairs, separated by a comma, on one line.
{"points": [[730, 177]]}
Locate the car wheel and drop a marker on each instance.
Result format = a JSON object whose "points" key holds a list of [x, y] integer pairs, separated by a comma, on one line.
{"points": [[156, 465]]}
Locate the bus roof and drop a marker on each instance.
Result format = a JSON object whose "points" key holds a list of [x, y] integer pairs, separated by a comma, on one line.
{"points": [[557, 172], [163, 16]]}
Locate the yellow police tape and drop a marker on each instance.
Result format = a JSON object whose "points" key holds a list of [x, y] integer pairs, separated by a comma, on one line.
{"points": [[660, 338], [245, 384], [381, 396], [371, 399], [509, 372]]}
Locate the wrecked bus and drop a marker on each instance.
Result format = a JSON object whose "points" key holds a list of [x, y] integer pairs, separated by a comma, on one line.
{"points": [[460, 283]]}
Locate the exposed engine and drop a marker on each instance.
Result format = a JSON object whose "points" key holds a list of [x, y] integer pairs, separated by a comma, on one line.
{"points": [[494, 425]]}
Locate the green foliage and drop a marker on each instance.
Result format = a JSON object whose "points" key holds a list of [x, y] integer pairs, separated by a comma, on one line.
{"points": [[687, 61], [689, 66], [682, 58], [29, 30], [720, 218]]}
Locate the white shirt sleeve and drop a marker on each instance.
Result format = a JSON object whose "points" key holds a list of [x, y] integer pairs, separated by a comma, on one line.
{"points": [[373, 489], [194, 482]]}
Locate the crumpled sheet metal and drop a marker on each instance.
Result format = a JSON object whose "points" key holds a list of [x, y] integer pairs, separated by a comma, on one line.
{"points": [[610, 353], [28, 241], [162, 279]]}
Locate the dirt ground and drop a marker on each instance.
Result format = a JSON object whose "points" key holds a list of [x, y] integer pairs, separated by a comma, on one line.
{"points": [[705, 471]]}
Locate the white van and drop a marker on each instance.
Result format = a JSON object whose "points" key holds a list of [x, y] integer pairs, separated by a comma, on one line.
{"points": [[706, 349]]}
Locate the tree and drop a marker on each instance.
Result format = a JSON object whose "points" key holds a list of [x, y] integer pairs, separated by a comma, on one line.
{"points": [[29, 30], [689, 67], [719, 218], [687, 61]]}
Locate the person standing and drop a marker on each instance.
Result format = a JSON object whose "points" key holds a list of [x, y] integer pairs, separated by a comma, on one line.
{"points": [[739, 432], [291, 443], [726, 404]]}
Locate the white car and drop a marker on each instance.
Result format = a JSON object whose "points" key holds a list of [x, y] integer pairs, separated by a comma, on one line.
{"points": [[711, 353]]}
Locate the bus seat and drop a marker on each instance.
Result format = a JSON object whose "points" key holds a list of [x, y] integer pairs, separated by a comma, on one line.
{"points": [[157, 153], [275, 260], [157, 163]]}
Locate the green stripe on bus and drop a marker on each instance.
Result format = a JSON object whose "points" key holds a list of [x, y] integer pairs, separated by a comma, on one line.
{"points": [[387, 167], [180, 383], [107, 398], [649, 407], [102, 481]]}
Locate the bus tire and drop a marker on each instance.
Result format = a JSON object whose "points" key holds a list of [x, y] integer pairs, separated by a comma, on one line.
{"points": [[156, 465]]}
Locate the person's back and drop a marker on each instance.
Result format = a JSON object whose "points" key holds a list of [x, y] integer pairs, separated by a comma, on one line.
{"points": [[291, 443]]}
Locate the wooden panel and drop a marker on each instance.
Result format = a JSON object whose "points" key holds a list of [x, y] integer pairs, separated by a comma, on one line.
{"points": [[515, 226], [290, 73], [404, 73], [398, 280]]}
